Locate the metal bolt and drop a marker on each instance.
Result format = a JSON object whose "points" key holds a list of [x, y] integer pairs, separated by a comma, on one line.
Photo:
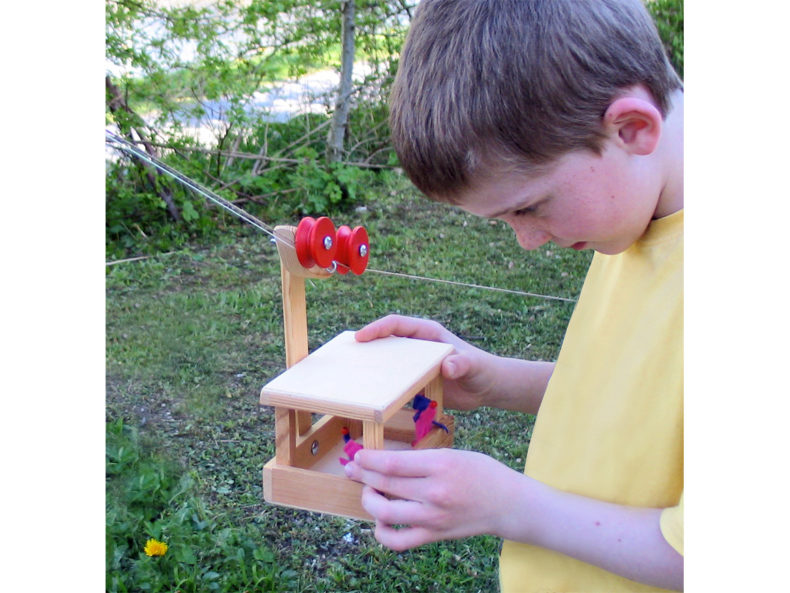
{"points": [[327, 242], [363, 250], [314, 448]]}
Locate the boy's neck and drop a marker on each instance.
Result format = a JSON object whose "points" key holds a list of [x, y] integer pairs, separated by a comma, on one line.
{"points": [[671, 198]]}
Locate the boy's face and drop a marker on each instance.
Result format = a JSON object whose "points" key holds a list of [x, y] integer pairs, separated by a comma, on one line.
{"points": [[584, 201]]}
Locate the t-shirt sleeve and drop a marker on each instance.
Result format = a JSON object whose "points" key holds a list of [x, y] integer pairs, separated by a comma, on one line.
{"points": [[672, 526]]}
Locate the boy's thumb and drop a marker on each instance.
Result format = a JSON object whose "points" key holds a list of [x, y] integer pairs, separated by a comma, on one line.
{"points": [[453, 367]]}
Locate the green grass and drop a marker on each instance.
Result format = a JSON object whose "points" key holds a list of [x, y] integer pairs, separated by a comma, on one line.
{"points": [[191, 338]]}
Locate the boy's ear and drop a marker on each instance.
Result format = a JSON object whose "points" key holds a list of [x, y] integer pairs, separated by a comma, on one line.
{"points": [[635, 123]]}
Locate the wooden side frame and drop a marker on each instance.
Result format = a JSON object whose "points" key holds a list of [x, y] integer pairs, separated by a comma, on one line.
{"points": [[292, 276]]}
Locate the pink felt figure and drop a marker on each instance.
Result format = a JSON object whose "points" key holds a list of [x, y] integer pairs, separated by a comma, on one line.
{"points": [[351, 447], [424, 422]]}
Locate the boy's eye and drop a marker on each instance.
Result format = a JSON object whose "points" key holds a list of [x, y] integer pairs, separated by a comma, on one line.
{"points": [[524, 211], [534, 208]]}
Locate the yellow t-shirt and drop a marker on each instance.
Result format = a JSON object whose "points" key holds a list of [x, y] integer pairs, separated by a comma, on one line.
{"points": [[610, 425]]}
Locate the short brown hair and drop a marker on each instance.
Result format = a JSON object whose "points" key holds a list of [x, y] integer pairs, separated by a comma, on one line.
{"points": [[515, 81]]}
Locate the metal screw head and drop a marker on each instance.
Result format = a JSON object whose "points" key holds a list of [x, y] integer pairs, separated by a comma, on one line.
{"points": [[327, 242], [363, 250], [314, 447]]}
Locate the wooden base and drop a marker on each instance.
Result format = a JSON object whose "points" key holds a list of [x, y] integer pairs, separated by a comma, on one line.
{"points": [[313, 491], [322, 487]]}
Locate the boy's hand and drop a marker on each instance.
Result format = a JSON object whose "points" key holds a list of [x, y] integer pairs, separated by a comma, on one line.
{"points": [[468, 372], [443, 494], [440, 494]]}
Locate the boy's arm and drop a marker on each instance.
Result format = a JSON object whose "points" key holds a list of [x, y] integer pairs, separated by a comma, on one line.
{"points": [[448, 494], [473, 377], [519, 385], [624, 540]]}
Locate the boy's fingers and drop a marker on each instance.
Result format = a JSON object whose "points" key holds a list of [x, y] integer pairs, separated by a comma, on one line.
{"points": [[404, 538], [391, 485], [392, 512], [381, 328], [406, 464], [387, 472], [396, 512], [398, 325]]}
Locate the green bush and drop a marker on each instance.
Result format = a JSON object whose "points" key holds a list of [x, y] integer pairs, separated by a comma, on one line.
{"points": [[136, 217], [283, 189]]}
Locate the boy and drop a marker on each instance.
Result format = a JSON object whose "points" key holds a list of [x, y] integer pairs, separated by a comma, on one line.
{"points": [[564, 119]]}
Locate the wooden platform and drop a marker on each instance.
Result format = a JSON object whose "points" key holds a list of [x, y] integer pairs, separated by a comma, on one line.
{"points": [[363, 380]]}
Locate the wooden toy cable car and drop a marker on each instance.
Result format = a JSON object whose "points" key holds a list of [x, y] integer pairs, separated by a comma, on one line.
{"points": [[362, 387]]}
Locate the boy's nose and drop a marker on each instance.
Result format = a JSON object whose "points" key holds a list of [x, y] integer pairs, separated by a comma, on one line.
{"points": [[530, 237]]}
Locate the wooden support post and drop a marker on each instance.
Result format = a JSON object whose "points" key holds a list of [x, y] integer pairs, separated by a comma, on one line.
{"points": [[284, 435], [294, 318], [372, 435], [435, 391], [294, 306], [295, 326]]}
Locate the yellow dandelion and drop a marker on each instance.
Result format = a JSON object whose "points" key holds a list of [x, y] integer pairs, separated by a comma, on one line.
{"points": [[155, 548]]}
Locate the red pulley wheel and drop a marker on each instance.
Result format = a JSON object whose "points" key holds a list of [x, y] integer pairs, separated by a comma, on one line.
{"points": [[343, 237], [316, 243], [357, 250], [323, 242], [302, 241]]}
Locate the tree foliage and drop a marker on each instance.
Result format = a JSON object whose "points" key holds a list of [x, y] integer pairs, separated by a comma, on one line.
{"points": [[184, 82]]}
